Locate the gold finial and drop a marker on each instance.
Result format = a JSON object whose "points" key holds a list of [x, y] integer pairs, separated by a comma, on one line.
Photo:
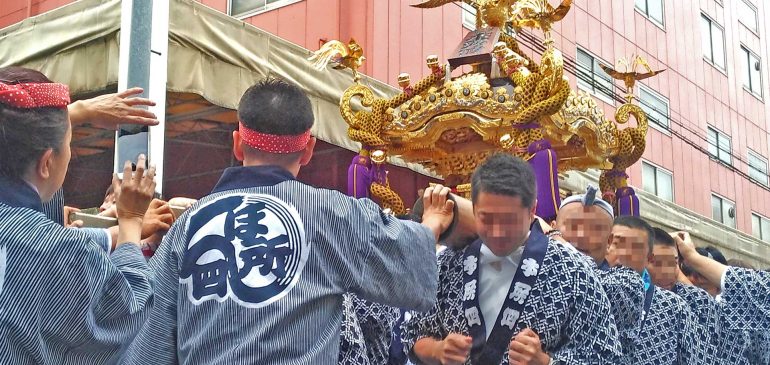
{"points": [[631, 76], [346, 56], [378, 156], [540, 14], [404, 79], [433, 64], [500, 49]]}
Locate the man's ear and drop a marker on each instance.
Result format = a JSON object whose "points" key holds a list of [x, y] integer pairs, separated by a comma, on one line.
{"points": [[44, 165], [307, 153], [237, 146]]}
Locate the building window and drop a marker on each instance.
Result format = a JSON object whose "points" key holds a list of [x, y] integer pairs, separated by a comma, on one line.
{"points": [[655, 106], [758, 168], [747, 15], [592, 78], [657, 181], [652, 9], [760, 227], [723, 210], [752, 76], [713, 42], [246, 8], [720, 146], [469, 16]]}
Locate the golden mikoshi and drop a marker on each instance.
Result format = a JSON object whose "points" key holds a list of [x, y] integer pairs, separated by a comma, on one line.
{"points": [[506, 103]]}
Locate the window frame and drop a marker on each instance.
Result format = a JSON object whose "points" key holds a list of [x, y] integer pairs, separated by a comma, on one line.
{"points": [[753, 8], [762, 219], [722, 201], [713, 23], [593, 90], [664, 129], [658, 169], [257, 11], [646, 13], [748, 88], [467, 9], [718, 156], [758, 156]]}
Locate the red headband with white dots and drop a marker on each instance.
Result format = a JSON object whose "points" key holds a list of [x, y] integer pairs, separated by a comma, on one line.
{"points": [[38, 95], [273, 143]]}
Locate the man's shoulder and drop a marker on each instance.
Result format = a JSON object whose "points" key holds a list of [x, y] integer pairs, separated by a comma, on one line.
{"points": [[620, 276], [450, 258], [286, 188], [567, 258], [667, 299]]}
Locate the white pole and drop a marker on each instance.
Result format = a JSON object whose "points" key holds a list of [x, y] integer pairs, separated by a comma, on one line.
{"points": [[143, 62]]}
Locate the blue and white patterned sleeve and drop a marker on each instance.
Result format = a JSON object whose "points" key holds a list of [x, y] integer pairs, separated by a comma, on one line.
{"points": [[591, 334], [418, 325], [156, 342], [625, 291], [119, 290], [391, 261], [100, 236], [746, 298]]}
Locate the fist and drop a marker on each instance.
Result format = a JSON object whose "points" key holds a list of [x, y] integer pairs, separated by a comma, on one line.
{"points": [[525, 349], [437, 207], [684, 244], [454, 349], [157, 219]]}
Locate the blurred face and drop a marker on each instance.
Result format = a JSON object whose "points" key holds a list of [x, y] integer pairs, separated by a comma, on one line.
{"points": [[663, 266], [630, 245], [704, 284], [502, 221], [612, 255], [109, 201], [586, 228]]}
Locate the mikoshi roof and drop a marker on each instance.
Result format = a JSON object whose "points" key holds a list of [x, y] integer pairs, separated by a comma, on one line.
{"points": [[214, 58]]}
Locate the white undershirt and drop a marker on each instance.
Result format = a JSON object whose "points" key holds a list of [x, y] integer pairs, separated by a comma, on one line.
{"points": [[494, 284]]}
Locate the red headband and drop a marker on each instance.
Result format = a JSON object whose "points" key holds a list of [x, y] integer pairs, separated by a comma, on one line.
{"points": [[273, 143], [38, 95]]}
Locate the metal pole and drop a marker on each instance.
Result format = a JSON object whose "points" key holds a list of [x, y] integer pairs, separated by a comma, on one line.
{"points": [[143, 63]]}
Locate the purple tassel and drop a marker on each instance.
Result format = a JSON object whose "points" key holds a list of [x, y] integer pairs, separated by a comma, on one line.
{"points": [[547, 174], [360, 176], [628, 202]]}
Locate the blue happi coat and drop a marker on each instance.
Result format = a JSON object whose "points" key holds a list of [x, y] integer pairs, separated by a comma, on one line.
{"points": [[255, 272], [63, 298], [567, 307]]}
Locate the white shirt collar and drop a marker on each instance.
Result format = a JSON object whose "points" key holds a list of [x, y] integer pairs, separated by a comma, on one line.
{"points": [[487, 256]]}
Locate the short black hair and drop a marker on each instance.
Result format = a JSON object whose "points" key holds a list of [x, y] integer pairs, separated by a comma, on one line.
{"points": [[686, 269], [274, 106], [662, 237], [26, 134], [636, 223], [503, 174], [717, 255]]}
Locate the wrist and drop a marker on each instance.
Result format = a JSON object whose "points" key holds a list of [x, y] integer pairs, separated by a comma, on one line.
{"points": [[129, 230], [434, 225], [78, 113], [428, 350], [130, 220], [545, 359]]}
